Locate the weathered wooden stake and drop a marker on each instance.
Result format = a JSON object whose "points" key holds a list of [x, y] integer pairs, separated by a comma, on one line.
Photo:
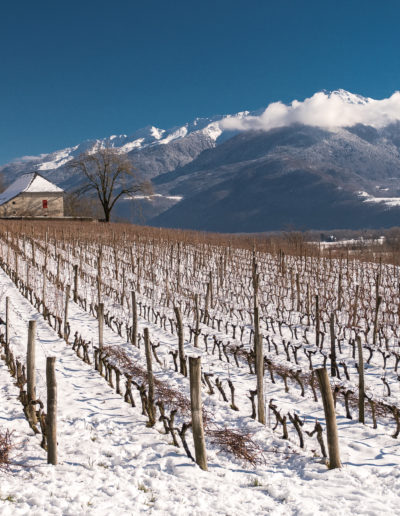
{"points": [[317, 321], [51, 418], [33, 254], [197, 415], [197, 321], [259, 369], [182, 358], [44, 291], [31, 371], [151, 410], [298, 292], [207, 303], [75, 283], [134, 318], [58, 270], [355, 306], [123, 286], [333, 347], [99, 259], [100, 317], [375, 330], [330, 418], [7, 322], [361, 383], [67, 294], [258, 345]]}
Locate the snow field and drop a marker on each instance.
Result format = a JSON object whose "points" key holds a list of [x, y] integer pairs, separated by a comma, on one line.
{"points": [[292, 479], [108, 458]]}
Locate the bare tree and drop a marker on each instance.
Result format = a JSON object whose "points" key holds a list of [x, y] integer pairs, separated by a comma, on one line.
{"points": [[110, 174]]}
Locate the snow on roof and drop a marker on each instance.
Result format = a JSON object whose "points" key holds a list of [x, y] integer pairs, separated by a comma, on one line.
{"points": [[31, 182]]}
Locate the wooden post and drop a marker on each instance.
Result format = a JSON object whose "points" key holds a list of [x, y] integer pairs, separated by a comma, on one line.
{"points": [[258, 347], [207, 303], [258, 341], [33, 254], [340, 292], [99, 260], [51, 418], [355, 306], [375, 330], [123, 286], [361, 383], [178, 269], [150, 379], [317, 321], [197, 415], [75, 283], [100, 317], [330, 417], [31, 372], [46, 250], [333, 347], [58, 270], [7, 323], [67, 294], [197, 321], [44, 292], [134, 318], [211, 291], [182, 358], [298, 291]]}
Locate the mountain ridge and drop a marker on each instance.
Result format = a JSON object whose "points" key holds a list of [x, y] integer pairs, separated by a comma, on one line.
{"points": [[204, 172]]}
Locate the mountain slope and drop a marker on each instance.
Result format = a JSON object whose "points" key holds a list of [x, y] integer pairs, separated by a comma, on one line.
{"points": [[330, 161], [299, 176]]}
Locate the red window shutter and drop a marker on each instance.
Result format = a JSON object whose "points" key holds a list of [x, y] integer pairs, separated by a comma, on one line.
{"points": [[44, 203]]}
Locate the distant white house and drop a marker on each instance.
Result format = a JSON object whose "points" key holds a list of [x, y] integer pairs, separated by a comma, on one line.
{"points": [[31, 195]]}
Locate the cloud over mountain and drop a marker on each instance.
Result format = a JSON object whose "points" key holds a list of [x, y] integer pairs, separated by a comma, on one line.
{"points": [[327, 110]]}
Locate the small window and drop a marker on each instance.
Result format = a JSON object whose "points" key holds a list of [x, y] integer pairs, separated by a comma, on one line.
{"points": [[13, 202], [44, 204]]}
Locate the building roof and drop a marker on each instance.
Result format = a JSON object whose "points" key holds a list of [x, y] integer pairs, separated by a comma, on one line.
{"points": [[32, 182]]}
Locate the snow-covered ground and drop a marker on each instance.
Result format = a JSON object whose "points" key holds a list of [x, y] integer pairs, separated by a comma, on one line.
{"points": [[109, 461]]}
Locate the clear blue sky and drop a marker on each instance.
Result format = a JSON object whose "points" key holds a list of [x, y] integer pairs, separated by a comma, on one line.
{"points": [[72, 70]]}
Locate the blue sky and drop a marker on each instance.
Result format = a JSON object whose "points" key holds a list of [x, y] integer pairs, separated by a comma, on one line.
{"points": [[71, 71]]}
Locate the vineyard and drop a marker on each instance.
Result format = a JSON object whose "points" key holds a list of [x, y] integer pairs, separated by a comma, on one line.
{"points": [[125, 311]]}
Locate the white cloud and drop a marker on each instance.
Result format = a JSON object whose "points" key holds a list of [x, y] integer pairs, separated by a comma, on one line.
{"points": [[23, 159], [328, 110]]}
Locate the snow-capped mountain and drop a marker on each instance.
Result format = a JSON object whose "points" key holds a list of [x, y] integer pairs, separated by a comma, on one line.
{"points": [[302, 164]]}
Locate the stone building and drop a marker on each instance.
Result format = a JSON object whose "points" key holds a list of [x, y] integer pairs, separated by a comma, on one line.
{"points": [[31, 195]]}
